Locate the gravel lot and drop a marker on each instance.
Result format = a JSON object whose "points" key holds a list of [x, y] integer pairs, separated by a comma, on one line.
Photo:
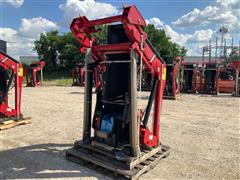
{"points": [[202, 131]]}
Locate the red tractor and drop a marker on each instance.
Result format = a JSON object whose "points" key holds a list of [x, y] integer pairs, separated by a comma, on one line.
{"points": [[11, 74], [34, 74]]}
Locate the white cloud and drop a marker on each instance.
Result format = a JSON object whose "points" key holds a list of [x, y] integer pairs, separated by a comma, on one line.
{"points": [[16, 45], [181, 39], [176, 37], [155, 21], [218, 13], [233, 28], [7, 34], [193, 42], [89, 8], [34, 26], [21, 41], [210, 14], [191, 52], [229, 4], [201, 36], [15, 3]]}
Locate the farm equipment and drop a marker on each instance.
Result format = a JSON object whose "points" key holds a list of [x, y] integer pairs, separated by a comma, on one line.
{"points": [[146, 79], [172, 88], [34, 74], [78, 74], [11, 74], [226, 79], [236, 65], [208, 81], [190, 77], [123, 141]]}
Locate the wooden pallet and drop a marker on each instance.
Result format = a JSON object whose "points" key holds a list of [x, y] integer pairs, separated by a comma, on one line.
{"points": [[94, 162], [10, 123], [178, 97]]}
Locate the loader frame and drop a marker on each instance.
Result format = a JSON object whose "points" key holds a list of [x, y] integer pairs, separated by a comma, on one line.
{"points": [[139, 48], [32, 75], [11, 116]]}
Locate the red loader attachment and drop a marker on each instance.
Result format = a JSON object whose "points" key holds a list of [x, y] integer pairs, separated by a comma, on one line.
{"points": [[34, 74], [172, 88], [121, 139], [190, 75], [78, 75], [207, 78], [236, 65], [226, 79], [11, 74], [208, 82]]}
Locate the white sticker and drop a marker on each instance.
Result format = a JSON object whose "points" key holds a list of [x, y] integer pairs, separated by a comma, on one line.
{"points": [[150, 137], [9, 109]]}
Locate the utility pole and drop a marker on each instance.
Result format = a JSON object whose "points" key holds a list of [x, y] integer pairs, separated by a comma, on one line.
{"points": [[210, 50], [223, 30], [216, 49]]}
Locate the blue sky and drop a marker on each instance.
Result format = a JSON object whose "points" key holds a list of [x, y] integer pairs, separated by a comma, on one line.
{"points": [[190, 23]]}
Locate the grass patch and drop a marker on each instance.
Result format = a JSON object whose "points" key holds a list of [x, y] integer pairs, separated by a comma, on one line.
{"points": [[57, 78], [58, 82]]}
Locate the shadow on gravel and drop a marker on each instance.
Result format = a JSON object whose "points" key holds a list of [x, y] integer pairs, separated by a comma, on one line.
{"points": [[42, 161], [76, 93], [81, 92], [221, 95]]}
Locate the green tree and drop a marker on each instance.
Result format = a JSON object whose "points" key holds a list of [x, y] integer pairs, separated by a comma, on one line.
{"points": [[101, 35], [68, 48], [234, 55], [47, 46], [163, 43]]}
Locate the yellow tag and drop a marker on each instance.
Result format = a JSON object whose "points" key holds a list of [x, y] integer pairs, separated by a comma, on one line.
{"points": [[20, 72], [164, 73]]}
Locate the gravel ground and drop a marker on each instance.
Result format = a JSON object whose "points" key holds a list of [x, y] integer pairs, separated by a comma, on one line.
{"points": [[202, 131]]}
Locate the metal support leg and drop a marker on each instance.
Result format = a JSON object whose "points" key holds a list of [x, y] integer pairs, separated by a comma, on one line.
{"points": [[134, 124], [236, 82], [41, 76], [87, 98]]}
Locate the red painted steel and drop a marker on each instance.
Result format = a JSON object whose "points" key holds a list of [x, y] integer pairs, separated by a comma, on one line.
{"points": [[175, 80], [235, 64], [200, 77], [78, 74], [7, 63], [31, 73], [195, 75], [133, 23], [177, 66]]}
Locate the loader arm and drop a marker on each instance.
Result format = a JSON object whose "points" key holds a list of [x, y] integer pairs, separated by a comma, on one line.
{"points": [[133, 23]]}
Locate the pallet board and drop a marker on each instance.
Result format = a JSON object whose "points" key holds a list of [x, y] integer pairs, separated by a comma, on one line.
{"points": [[13, 123], [178, 97], [92, 161]]}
